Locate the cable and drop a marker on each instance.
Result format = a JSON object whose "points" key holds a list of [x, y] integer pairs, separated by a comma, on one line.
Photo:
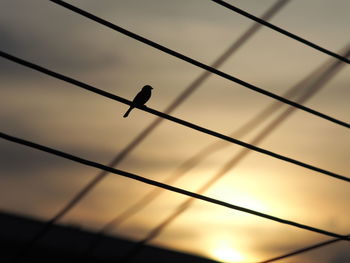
{"points": [[324, 73], [171, 118], [177, 102], [310, 91], [160, 114], [302, 250], [183, 96], [165, 186], [280, 30], [197, 63]]}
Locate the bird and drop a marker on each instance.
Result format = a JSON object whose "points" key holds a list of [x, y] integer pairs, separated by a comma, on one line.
{"points": [[140, 99]]}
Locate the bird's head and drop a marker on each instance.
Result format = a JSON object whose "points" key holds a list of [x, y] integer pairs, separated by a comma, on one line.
{"points": [[148, 87]]}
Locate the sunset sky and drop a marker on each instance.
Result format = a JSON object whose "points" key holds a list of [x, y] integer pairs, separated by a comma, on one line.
{"points": [[57, 114]]}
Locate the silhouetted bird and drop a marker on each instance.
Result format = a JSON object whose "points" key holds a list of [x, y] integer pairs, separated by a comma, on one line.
{"points": [[141, 98]]}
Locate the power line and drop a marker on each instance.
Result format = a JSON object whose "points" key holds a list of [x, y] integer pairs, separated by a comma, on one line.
{"points": [[165, 186], [160, 114], [324, 73], [177, 102], [280, 30], [197, 63], [172, 118], [302, 250], [315, 86]]}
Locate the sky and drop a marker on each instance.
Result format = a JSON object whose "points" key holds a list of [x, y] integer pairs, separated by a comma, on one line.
{"points": [[57, 114]]}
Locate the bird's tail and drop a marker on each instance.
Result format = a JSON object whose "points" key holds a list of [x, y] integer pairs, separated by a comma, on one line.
{"points": [[127, 112]]}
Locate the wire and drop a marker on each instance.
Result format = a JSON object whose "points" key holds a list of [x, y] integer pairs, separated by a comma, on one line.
{"points": [[160, 114], [165, 186], [177, 102], [282, 31], [314, 87], [171, 118], [302, 250], [324, 73], [182, 97], [197, 63]]}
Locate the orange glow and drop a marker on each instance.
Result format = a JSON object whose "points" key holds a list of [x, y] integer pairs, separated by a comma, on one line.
{"points": [[223, 249], [227, 254], [240, 197]]}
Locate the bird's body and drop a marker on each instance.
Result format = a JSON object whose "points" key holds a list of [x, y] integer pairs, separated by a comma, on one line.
{"points": [[140, 99]]}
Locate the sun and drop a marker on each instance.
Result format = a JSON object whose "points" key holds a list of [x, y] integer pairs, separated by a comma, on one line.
{"points": [[227, 254]]}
